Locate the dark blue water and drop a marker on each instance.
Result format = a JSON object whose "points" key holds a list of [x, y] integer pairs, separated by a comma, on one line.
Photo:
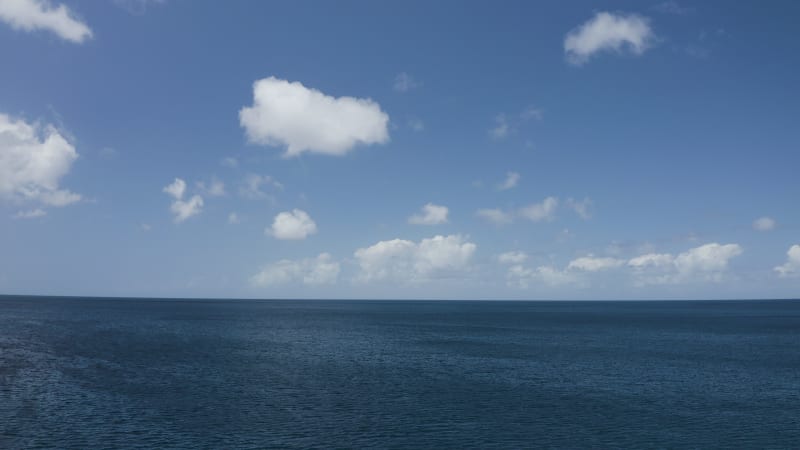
{"points": [[87, 373]]}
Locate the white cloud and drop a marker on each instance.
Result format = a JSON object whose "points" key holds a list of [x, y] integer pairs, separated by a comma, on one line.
{"points": [[594, 264], [309, 271], [252, 184], [512, 178], [792, 266], [608, 32], [180, 208], [234, 219], [764, 224], [176, 189], [30, 214], [31, 15], [215, 188], [306, 120], [406, 261], [704, 263], [431, 215], [33, 159], [651, 260], [581, 207], [538, 212], [404, 82], [496, 216], [185, 209], [513, 257], [292, 225]]}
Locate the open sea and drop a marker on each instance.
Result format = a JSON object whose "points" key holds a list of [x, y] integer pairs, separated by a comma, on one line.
{"points": [[136, 373]]}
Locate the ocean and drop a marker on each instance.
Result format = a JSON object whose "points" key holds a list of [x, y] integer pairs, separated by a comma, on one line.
{"points": [[150, 373]]}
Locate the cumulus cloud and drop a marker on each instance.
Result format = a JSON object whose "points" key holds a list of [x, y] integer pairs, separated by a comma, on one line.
{"points": [[581, 207], [407, 261], [495, 216], [404, 82], [309, 271], [32, 15], [513, 257], [537, 212], [704, 263], [33, 159], [764, 224], [608, 32], [792, 266], [431, 215], [512, 178], [233, 219], [292, 225], [30, 214], [182, 209], [594, 264], [291, 115]]}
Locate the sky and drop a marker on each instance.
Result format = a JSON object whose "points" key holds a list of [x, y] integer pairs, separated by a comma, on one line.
{"points": [[421, 150]]}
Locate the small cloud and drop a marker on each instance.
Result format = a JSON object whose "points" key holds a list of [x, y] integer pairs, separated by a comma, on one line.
{"points": [[180, 208], [792, 266], [537, 212], [30, 214], [431, 215], [495, 216], [513, 257], [401, 260], [233, 218], [404, 82], [252, 185], [581, 207], [505, 125], [215, 188], [501, 128], [512, 178], [145, 227], [309, 271], [32, 15], [292, 225], [33, 159], [591, 263], [764, 224], [704, 263], [608, 32], [301, 119]]}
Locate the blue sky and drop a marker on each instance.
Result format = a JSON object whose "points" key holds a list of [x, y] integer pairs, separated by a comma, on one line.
{"points": [[561, 150]]}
